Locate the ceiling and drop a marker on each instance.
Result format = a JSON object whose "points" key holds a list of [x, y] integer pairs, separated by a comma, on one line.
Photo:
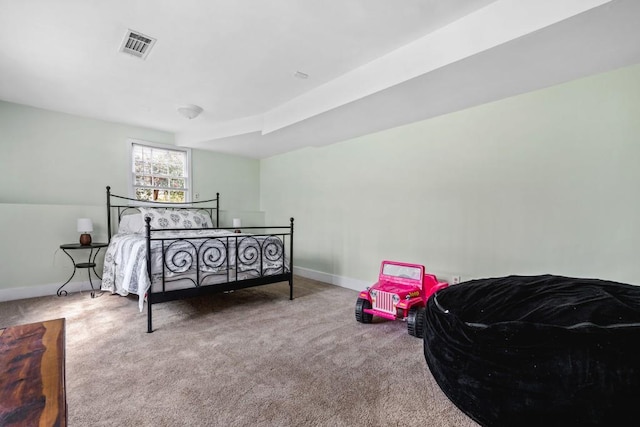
{"points": [[371, 64]]}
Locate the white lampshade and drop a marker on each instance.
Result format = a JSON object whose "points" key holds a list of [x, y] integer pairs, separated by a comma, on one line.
{"points": [[237, 223], [190, 111], [85, 225]]}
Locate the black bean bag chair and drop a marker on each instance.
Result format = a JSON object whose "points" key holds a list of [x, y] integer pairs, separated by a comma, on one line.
{"points": [[538, 350]]}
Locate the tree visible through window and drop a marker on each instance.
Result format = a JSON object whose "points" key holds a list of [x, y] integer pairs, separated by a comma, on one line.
{"points": [[160, 174]]}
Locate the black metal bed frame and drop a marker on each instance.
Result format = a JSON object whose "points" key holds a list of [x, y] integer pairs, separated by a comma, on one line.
{"points": [[248, 250]]}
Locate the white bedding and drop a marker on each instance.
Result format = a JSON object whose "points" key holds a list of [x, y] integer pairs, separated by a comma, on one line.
{"points": [[213, 251]]}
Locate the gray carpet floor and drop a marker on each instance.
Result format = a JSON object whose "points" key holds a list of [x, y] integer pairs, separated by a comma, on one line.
{"points": [[245, 358]]}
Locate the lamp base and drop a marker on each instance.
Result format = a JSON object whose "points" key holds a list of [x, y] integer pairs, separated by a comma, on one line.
{"points": [[237, 231], [85, 239]]}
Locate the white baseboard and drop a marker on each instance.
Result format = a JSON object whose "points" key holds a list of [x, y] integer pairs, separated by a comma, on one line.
{"points": [[45, 290], [345, 282], [51, 288]]}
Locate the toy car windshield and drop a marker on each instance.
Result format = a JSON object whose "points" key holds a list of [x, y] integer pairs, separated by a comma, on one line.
{"points": [[402, 271]]}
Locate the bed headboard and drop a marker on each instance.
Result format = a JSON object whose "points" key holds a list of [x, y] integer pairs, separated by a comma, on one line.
{"points": [[120, 205]]}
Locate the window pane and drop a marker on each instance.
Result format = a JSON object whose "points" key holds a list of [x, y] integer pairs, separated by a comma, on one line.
{"points": [[177, 183], [160, 158], [176, 169], [138, 166], [143, 194], [160, 182], [143, 180], [137, 153], [176, 164], [177, 196]]}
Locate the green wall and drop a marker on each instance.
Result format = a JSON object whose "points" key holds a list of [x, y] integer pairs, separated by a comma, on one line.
{"points": [[55, 168], [237, 179], [544, 182]]}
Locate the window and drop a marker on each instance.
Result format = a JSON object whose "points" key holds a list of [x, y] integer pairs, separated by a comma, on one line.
{"points": [[159, 173]]}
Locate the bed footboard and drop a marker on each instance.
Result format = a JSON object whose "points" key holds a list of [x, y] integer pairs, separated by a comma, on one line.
{"points": [[189, 264]]}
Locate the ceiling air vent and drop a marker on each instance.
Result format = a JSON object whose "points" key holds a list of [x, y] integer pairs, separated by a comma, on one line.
{"points": [[137, 44]]}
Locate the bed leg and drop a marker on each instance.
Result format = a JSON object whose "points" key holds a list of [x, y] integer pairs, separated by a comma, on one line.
{"points": [[149, 326], [291, 288]]}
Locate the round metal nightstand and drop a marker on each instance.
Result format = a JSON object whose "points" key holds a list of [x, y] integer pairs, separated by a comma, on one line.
{"points": [[94, 248]]}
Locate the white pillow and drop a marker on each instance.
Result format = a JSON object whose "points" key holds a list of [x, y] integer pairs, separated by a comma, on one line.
{"points": [[208, 223], [168, 218], [131, 223]]}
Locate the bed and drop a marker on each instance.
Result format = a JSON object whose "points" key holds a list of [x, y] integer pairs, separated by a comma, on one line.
{"points": [[164, 252], [537, 350]]}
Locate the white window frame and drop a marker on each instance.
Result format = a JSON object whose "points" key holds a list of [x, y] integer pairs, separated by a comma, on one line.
{"points": [[131, 174]]}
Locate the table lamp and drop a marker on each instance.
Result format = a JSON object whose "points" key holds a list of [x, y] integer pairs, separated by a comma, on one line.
{"points": [[237, 224], [85, 226]]}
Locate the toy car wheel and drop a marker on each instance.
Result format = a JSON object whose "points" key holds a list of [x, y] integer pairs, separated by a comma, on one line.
{"points": [[415, 321], [361, 316]]}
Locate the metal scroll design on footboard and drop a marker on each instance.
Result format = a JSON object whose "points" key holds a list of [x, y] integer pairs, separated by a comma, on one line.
{"points": [[204, 261], [192, 264]]}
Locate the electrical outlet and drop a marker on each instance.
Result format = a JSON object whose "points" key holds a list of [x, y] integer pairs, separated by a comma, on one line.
{"points": [[197, 196], [455, 280]]}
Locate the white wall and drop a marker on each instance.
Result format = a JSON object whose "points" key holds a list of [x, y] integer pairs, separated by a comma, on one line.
{"points": [[544, 182], [55, 168]]}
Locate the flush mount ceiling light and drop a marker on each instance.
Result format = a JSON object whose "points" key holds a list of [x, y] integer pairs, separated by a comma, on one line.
{"points": [[189, 111]]}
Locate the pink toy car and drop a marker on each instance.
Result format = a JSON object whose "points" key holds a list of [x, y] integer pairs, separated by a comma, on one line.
{"points": [[401, 293]]}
